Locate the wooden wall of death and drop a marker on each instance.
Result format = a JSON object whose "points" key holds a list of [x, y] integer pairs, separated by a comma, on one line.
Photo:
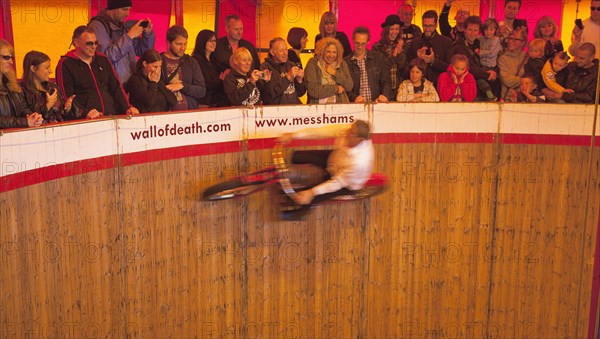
{"points": [[470, 240]]}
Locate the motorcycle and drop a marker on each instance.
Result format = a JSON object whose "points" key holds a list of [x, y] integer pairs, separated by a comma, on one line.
{"points": [[288, 180]]}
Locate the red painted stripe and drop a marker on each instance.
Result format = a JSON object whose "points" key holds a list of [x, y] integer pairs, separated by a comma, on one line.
{"points": [[545, 139], [39, 175], [137, 158], [595, 286], [44, 174]]}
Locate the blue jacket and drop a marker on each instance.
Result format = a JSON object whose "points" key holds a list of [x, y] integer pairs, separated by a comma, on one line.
{"points": [[120, 49]]}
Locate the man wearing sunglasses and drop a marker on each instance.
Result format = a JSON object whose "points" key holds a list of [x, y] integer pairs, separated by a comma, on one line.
{"points": [[91, 78], [590, 31], [122, 41]]}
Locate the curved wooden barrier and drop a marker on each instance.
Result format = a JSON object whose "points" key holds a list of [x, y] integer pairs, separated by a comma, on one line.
{"points": [[489, 228]]}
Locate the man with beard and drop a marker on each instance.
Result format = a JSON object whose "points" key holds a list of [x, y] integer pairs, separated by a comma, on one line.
{"points": [[433, 48], [181, 72], [287, 79], [120, 43]]}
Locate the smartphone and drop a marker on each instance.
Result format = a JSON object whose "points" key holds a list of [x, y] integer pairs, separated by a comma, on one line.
{"points": [[144, 23], [578, 23]]}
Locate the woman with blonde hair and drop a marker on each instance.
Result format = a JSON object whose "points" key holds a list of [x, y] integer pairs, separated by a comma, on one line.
{"points": [[14, 112], [328, 29], [546, 29], [327, 76], [241, 83]]}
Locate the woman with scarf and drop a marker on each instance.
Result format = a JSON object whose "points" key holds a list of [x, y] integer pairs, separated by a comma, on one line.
{"points": [[392, 46], [327, 76]]}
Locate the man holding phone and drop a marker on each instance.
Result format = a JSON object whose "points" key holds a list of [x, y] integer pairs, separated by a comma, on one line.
{"points": [[432, 47], [587, 30], [121, 42]]}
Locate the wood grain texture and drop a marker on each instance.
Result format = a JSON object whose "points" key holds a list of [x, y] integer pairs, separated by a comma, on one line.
{"points": [[470, 240]]}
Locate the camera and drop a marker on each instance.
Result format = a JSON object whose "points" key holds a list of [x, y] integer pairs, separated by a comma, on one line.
{"points": [[261, 74], [144, 23], [51, 90], [579, 23]]}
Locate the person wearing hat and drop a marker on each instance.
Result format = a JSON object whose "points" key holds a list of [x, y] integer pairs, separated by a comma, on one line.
{"points": [[392, 45], [122, 42]]}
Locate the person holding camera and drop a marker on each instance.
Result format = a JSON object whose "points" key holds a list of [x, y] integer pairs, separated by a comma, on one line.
{"points": [[40, 94], [433, 48], [587, 30], [241, 83], [287, 79], [121, 43]]}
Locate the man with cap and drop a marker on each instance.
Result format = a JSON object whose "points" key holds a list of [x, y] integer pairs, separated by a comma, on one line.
{"points": [[121, 43]]}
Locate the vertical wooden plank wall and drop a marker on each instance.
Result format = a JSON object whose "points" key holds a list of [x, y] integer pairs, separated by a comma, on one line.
{"points": [[471, 240]]}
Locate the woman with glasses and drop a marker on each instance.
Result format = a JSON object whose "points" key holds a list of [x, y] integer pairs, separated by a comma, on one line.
{"points": [[40, 94], [206, 43], [13, 110], [512, 64]]}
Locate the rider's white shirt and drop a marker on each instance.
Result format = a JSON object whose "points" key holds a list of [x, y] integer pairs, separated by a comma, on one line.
{"points": [[349, 167]]}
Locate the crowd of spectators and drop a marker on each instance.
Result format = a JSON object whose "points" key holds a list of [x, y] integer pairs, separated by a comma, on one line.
{"points": [[113, 67]]}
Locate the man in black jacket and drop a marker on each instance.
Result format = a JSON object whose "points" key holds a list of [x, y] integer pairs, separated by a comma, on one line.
{"points": [[90, 77], [370, 71], [581, 76], [180, 72], [433, 48], [458, 31], [287, 79], [227, 44], [469, 46]]}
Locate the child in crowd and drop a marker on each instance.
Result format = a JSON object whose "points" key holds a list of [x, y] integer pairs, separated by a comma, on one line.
{"points": [[554, 65], [457, 84], [489, 48], [529, 90], [489, 44], [536, 60]]}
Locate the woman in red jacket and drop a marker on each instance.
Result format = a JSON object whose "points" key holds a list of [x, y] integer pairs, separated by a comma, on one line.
{"points": [[457, 84]]}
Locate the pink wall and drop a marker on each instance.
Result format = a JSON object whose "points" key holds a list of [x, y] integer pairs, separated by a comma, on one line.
{"points": [[159, 11], [371, 14], [531, 10]]}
